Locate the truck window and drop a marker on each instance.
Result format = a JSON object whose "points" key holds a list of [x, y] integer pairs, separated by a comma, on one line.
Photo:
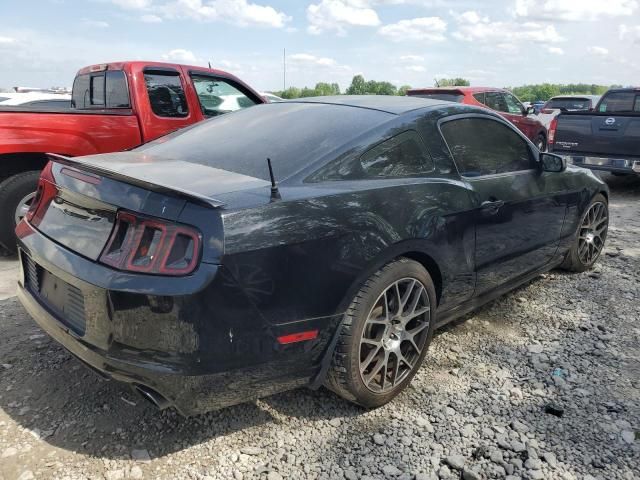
{"points": [[166, 94], [620, 102], [101, 90], [218, 96]]}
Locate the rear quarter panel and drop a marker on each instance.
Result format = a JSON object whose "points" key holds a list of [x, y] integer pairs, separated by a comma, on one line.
{"points": [[305, 259]]}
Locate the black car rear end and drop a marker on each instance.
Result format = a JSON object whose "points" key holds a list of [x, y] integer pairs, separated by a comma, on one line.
{"points": [[129, 279]]}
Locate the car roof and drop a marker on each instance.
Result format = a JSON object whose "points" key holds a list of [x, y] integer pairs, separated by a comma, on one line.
{"points": [[396, 105], [463, 90]]}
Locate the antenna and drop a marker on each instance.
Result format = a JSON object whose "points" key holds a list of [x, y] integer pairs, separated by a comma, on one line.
{"points": [[284, 69], [275, 193], [209, 65], [437, 84]]}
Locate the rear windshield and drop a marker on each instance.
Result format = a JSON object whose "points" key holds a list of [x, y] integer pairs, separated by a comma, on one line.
{"points": [[447, 97], [292, 134], [100, 90], [620, 102], [569, 104]]}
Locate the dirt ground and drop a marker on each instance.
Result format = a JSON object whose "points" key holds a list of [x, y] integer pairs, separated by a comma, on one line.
{"points": [[572, 341]]}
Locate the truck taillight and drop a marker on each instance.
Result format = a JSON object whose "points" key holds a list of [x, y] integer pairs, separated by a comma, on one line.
{"points": [[140, 244], [552, 131]]}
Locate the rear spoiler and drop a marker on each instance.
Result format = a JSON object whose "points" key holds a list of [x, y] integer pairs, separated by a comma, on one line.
{"points": [[153, 186]]}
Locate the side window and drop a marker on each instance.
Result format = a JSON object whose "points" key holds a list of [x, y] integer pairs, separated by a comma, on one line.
{"points": [[401, 156], [101, 90], [218, 96], [166, 94], [513, 105], [480, 97], [481, 146], [496, 101]]}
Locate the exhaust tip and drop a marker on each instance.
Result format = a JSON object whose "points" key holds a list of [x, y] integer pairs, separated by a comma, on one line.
{"points": [[152, 396]]}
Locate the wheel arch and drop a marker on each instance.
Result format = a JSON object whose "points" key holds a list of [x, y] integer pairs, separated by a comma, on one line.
{"points": [[20, 162]]}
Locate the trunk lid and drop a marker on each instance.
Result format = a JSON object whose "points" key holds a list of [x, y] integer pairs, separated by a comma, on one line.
{"points": [[79, 198]]}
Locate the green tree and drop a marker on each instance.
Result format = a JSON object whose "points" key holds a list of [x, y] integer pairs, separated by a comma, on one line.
{"points": [[358, 86], [453, 82], [403, 90]]}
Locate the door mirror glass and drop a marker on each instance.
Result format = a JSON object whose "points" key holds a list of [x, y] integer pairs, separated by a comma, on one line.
{"points": [[552, 163], [529, 111]]}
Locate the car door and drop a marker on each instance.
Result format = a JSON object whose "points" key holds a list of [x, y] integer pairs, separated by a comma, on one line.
{"points": [[519, 217]]}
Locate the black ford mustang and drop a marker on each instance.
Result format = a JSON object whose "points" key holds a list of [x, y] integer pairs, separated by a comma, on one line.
{"points": [[183, 270]]}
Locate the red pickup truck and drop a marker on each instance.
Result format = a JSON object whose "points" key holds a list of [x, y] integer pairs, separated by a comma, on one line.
{"points": [[114, 106]]}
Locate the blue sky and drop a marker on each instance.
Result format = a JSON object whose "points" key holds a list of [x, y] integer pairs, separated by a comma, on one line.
{"points": [[491, 42]]}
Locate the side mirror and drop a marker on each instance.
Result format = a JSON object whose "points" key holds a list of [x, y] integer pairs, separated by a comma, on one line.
{"points": [[528, 111], [552, 163]]}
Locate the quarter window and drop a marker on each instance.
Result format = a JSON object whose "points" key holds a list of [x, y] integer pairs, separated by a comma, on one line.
{"points": [[218, 96], [166, 94], [401, 156], [481, 146]]}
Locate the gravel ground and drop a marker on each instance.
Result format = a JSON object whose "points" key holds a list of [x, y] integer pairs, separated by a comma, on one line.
{"points": [[543, 383]]}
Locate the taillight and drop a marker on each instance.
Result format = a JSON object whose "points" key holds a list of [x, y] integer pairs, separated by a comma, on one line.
{"points": [[552, 131], [140, 244], [45, 191]]}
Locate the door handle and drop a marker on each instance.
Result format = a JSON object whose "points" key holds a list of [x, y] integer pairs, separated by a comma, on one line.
{"points": [[492, 205]]}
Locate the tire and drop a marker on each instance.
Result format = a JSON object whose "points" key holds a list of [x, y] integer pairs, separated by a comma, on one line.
{"points": [[355, 345], [13, 191], [541, 143], [592, 231]]}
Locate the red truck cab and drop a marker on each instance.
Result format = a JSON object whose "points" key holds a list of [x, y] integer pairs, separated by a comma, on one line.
{"points": [[114, 106], [497, 99]]}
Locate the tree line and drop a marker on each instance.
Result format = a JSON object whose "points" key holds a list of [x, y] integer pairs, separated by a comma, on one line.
{"points": [[361, 86]]}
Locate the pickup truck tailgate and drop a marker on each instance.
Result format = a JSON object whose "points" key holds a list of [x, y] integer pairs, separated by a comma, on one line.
{"points": [[598, 134]]}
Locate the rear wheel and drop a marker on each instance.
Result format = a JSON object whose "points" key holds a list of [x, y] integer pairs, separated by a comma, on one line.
{"points": [[385, 335], [16, 194], [590, 237]]}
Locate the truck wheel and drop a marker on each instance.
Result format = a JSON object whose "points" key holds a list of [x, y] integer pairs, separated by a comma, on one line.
{"points": [[590, 237], [16, 194], [541, 143], [385, 335]]}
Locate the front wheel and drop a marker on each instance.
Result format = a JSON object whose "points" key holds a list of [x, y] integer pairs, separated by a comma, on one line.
{"points": [[385, 335], [16, 194], [590, 237]]}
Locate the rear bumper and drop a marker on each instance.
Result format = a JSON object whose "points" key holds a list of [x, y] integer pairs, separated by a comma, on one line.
{"points": [[608, 164], [199, 343]]}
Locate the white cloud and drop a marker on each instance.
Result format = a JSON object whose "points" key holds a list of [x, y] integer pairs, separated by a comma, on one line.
{"points": [[416, 68], [430, 29], [630, 33], [306, 59], [555, 50], [180, 55], [474, 28], [338, 14], [412, 58], [133, 4], [94, 23], [7, 40], [237, 12], [600, 51], [574, 10], [150, 18]]}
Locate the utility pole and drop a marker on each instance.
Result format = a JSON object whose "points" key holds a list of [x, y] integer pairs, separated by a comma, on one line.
{"points": [[284, 69]]}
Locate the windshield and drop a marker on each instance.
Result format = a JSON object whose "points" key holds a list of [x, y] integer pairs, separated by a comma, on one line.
{"points": [[447, 97], [620, 102], [569, 104]]}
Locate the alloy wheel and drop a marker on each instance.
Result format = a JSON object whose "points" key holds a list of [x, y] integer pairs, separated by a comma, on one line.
{"points": [[593, 233], [394, 335], [23, 206]]}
